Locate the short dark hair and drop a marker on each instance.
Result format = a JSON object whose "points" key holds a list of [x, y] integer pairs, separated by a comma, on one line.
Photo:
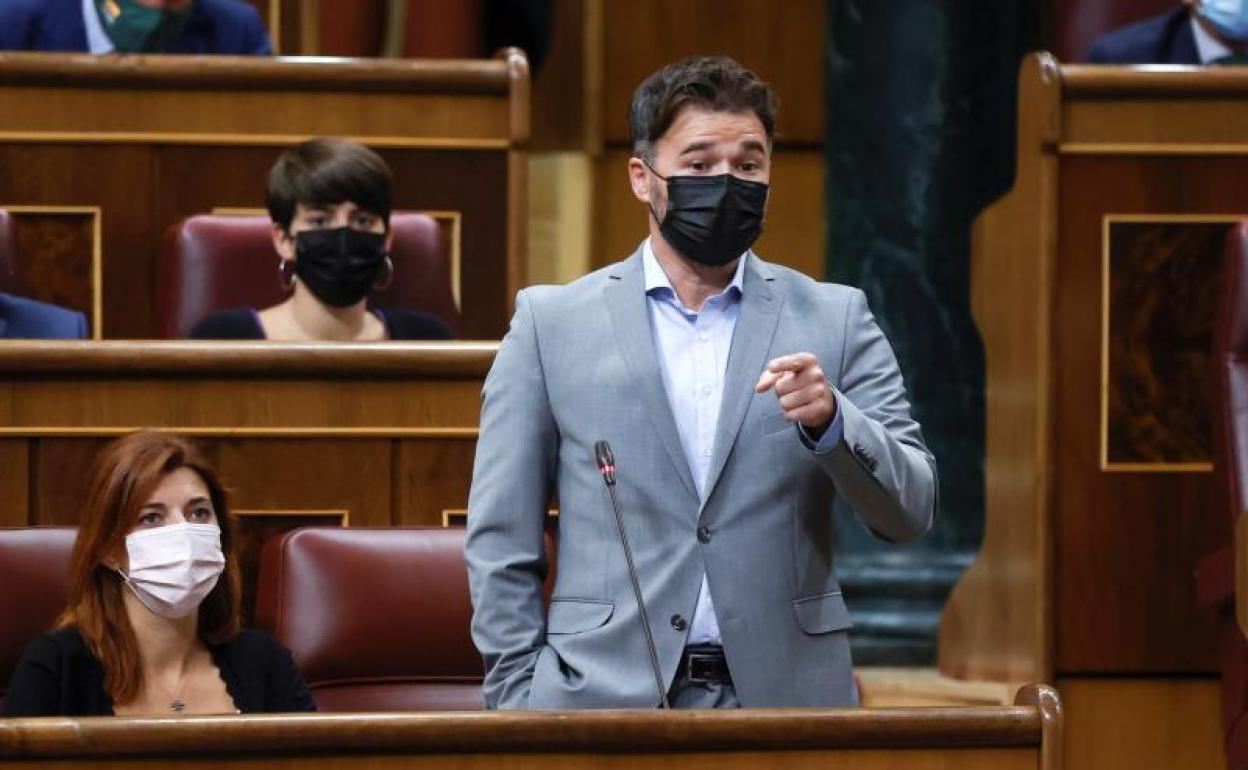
{"points": [[715, 83], [323, 172]]}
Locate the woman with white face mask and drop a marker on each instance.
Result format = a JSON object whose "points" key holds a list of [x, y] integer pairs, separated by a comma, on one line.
{"points": [[152, 625]]}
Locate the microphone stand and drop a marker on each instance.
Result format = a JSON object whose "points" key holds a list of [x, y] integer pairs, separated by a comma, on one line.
{"points": [[606, 466]]}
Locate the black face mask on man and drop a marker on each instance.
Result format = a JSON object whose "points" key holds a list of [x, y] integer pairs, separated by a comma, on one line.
{"points": [[339, 265], [712, 220]]}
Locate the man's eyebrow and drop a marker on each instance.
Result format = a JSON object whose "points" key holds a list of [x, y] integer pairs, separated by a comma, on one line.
{"points": [[697, 147], [753, 144]]}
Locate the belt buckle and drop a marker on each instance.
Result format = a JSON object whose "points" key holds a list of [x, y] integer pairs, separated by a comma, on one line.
{"points": [[706, 668]]}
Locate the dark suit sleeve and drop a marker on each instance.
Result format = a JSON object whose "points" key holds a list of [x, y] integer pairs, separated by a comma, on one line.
{"points": [[81, 320], [19, 22], [286, 690], [35, 686], [255, 36]]}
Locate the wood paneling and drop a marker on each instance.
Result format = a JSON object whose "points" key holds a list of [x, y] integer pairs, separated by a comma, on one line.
{"points": [[430, 478], [14, 483], [1126, 724], [1126, 596], [782, 42], [1088, 569], [385, 432], [150, 140], [996, 624], [311, 474], [794, 234], [62, 473]]}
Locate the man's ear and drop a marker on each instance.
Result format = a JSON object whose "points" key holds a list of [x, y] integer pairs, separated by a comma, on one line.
{"points": [[283, 244], [389, 240], [639, 179]]}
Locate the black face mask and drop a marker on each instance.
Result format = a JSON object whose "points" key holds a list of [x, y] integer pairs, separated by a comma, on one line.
{"points": [[339, 265], [712, 220]]}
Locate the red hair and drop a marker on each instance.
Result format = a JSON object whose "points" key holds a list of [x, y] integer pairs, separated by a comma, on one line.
{"points": [[126, 473]]}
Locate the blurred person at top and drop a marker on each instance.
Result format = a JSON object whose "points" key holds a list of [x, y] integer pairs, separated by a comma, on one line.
{"points": [[133, 26]]}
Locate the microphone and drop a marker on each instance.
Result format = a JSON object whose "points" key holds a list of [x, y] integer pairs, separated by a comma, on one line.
{"points": [[606, 466]]}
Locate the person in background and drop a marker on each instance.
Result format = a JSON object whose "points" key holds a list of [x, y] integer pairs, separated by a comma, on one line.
{"points": [[329, 201], [1195, 32], [22, 318], [152, 626], [133, 26]]}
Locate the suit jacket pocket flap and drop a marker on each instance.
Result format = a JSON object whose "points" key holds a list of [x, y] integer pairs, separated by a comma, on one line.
{"points": [[822, 614], [571, 616]]}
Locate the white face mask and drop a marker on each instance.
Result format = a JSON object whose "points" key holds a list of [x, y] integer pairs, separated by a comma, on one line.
{"points": [[172, 568]]}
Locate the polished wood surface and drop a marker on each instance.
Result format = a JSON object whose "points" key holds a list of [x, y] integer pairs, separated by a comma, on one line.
{"points": [[149, 140], [986, 737], [1087, 565], [782, 42], [1127, 724], [996, 624], [382, 432]]}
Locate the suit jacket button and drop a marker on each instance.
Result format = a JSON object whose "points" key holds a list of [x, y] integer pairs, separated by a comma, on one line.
{"points": [[679, 623], [704, 534]]}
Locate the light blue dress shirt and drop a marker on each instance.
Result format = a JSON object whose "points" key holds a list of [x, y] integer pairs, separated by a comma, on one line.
{"points": [[692, 346], [97, 39]]}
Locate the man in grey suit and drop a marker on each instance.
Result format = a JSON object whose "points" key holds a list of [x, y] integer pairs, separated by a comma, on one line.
{"points": [[742, 401]]}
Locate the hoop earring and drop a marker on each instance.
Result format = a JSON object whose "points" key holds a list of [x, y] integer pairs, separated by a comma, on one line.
{"points": [[383, 284], [286, 274]]}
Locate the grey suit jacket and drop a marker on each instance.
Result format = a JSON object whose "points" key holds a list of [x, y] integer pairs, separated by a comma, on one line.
{"points": [[578, 365]]}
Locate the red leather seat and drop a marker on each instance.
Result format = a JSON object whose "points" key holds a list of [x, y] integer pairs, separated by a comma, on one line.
{"points": [[34, 580], [1215, 577], [210, 263], [377, 619]]}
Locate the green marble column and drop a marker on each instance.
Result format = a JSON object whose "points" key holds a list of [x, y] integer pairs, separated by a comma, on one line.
{"points": [[920, 137]]}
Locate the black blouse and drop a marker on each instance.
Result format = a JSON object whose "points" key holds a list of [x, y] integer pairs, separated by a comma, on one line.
{"points": [[243, 323], [58, 676]]}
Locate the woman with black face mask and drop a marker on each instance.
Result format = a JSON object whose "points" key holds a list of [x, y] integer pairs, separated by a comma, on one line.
{"points": [[329, 200]]}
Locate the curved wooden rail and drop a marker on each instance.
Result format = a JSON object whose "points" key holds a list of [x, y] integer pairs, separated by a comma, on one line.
{"points": [[216, 73], [547, 732], [451, 360]]}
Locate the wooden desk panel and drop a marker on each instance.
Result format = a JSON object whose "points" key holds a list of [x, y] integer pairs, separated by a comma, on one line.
{"points": [[1087, 565], [385, 432], [1021, 736], [1127, 541]]}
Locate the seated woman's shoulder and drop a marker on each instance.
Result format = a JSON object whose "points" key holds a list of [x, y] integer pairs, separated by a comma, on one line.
{"points": [[238, 323], [416, 325]]}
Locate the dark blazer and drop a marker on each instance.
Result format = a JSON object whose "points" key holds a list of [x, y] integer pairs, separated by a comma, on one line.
{"points": [[215, 27], [58, 676], [22, 318], [1164, 39]]}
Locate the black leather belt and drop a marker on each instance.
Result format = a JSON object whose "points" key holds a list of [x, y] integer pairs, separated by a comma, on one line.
{"points": [[704, 663]]}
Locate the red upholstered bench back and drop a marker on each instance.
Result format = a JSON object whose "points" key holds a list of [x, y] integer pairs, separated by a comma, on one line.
{"points": [[34, 578], [377, 619]]}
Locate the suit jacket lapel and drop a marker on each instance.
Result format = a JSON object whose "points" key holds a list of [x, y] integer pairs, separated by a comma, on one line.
{"points": [[751, 341], [625, 296]]}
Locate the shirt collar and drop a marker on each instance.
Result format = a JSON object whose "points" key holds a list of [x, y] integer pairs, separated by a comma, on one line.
{"points": [[1207, 46], [657, 280], [97, 38]]}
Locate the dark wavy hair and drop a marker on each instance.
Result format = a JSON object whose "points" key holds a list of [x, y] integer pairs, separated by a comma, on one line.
{"points": [[324, 172], [715, 83]]}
